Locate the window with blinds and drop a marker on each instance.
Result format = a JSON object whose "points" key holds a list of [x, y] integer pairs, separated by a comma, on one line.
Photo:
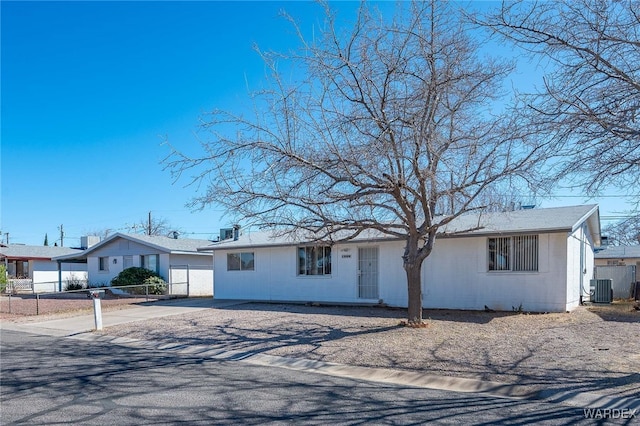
{"points": [[517, 253]]}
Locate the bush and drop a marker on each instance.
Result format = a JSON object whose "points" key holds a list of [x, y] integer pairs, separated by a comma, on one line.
{"points": [[156, 285], [140, 276], [3, 278], [73, 283]]}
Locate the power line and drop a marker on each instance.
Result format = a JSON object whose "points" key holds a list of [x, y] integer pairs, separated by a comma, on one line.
{"points": [[593, 196]]}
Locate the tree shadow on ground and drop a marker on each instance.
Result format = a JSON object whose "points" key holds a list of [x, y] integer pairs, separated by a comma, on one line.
{"points": [[619, 311], [548, 381], [64, 381]]}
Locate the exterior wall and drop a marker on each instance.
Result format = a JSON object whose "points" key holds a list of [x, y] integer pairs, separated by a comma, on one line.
{"points": [[275, 278], [45, 274], [455, 276], [580, 267]]}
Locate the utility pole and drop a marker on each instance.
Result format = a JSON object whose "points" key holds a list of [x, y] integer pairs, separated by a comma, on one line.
{"points": [[149, 225], [61, 235]]}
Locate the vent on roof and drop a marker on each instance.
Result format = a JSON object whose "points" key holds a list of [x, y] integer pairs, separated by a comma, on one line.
{"points": [[226, 234]]}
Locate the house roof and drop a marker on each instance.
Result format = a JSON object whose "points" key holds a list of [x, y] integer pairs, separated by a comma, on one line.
{"points": [[618, 252], [549, 220], [20, 251], [160, 243], [556, 219]]}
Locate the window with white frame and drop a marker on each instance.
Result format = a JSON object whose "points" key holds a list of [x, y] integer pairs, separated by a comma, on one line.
{"points": [[314, 260], [103, 264], [244, 261], [517, 253], [150, 262]]}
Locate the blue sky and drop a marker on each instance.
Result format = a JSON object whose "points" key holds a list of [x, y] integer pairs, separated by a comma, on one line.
{"points": [[89, 90]]}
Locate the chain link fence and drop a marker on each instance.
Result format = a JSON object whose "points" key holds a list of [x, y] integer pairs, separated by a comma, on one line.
{"points": [[72, 300]]}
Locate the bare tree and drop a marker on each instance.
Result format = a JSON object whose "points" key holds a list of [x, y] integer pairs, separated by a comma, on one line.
{"points": [[103, 233], [388, 127], [154, 226], [625, 232], [590, 101], [150, 226]]}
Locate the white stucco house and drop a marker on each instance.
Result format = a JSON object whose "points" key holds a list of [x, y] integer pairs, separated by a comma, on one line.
{"points": [[177, 260], [33, 268], [539, 260]]}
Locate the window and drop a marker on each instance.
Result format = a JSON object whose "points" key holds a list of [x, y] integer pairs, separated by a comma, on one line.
{"points": [[519, 253], [314, 260], [103, 264], [150, 262], [499, 254], [240, 261], [18, 269]]}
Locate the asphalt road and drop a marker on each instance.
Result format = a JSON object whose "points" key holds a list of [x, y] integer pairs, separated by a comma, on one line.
{"points": [[49, 380]]}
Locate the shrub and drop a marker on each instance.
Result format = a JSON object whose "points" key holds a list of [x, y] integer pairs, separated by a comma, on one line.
{"points": [[73, 283], [3, 278], [156, 285], [140, 276]]}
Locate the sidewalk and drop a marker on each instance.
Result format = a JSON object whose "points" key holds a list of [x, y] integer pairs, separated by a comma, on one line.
{"points": [[81, 327], [75, 325]]}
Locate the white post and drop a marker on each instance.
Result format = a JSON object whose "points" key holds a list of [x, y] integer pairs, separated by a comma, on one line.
{"points": [[97, 312]]}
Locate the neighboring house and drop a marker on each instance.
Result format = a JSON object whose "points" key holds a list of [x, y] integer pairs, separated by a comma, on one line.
{"points": [[538, 260], [177, 261], [618, 256], [32, 268]]}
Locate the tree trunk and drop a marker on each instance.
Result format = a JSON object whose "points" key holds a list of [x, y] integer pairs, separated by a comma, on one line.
{"points": [[414, 286]]}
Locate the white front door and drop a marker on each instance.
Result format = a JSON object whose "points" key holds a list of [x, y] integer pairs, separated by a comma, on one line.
{"points": [[368, 272]]}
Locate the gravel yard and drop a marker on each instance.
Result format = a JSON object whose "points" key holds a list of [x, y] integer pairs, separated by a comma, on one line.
{"points": [[592, 349]]}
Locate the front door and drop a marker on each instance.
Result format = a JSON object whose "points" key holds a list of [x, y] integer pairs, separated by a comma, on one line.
{"points": [[368, 272]]}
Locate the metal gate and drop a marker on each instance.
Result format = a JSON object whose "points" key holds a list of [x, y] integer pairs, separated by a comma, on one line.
{"points": [[368, 272], [179, 280], [622, 278]]}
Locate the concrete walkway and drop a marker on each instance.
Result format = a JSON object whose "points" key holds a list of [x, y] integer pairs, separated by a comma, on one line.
{"points": [[75, 325], [81, 327]]}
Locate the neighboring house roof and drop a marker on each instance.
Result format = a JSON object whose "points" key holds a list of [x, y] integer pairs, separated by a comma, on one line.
{"points": [[618, 252], [160, 243], [19, 251], [549, 220]]}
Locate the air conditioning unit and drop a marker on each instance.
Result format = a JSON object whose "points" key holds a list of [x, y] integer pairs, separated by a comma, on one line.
{"points": [[601, 291]]}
